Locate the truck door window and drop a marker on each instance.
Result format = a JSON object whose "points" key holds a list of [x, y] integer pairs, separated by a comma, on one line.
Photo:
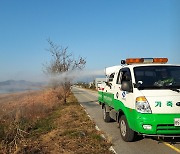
{"points": [[118, 81], [124, 75]]}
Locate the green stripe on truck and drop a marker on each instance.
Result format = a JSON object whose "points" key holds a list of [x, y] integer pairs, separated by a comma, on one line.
{"points": [[162, 124]]}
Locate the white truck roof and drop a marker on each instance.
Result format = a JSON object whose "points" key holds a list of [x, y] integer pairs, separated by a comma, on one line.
{"points": [[136, 65], [110, 70]]}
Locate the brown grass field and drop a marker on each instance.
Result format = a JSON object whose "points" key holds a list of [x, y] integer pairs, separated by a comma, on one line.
{"points": [[39, 122]]}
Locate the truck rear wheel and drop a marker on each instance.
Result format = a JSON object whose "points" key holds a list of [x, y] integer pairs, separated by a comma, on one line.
{"points": [[127, 133], [106, 115]]}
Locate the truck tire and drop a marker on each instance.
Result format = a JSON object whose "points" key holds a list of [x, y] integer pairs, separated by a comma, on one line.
{"points": [[127, 133], [106, 115]]}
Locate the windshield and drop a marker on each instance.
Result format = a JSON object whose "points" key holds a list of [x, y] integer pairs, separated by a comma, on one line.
{"points": [[157, 77]]}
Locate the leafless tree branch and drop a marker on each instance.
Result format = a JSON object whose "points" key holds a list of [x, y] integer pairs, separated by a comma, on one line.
{"points": [[62, 61]]}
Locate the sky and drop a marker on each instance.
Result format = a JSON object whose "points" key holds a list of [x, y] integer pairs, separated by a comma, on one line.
{"points": [[102, 31]]}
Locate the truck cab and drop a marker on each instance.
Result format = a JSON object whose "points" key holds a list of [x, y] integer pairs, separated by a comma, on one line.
{"points": [[143, 96]]}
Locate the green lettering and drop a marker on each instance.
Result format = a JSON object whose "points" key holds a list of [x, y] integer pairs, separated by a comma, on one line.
{"points": [[169, 103], [158, 104]]}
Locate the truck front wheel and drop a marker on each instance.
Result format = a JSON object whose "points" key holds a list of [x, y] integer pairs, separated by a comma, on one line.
{"points": [[127, 133], [106, 115]]}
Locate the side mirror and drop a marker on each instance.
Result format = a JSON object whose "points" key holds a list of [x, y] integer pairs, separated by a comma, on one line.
{"points": [[126, 86]]}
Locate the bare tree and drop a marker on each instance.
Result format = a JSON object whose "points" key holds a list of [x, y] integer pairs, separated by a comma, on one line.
{"points": [[62, 62]]}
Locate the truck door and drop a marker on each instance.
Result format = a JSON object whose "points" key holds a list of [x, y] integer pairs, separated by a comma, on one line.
{"points": [[123, 96]]}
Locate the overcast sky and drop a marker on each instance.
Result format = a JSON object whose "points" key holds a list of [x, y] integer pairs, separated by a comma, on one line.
{"points": [[102, 31]]}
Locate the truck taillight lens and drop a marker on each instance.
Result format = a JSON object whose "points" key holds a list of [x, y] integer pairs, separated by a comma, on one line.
{"points": [[142, 105], [101, 89]]}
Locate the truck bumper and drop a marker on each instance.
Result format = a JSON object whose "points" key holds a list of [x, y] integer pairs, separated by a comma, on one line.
{"points": [[155, 124]]}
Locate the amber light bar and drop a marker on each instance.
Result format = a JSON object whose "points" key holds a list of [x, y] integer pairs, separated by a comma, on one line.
{"points": [[146, 60], [134, 60], [160, 60]]}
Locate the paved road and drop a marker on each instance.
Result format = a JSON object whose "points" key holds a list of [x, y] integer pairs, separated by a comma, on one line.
{"points": [[148, 145]]}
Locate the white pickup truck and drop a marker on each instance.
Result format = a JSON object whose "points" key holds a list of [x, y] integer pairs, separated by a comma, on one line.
{"points": [[143, 96]]}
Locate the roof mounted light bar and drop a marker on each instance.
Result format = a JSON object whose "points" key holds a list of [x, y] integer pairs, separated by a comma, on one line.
{"points": [[144, 60]]}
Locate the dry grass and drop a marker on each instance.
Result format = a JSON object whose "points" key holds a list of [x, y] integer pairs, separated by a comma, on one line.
{"points": [[75, 132], [19, 115], [39, 122]]}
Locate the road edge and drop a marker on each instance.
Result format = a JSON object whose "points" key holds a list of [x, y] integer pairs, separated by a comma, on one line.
{"points": [[98, 129]]}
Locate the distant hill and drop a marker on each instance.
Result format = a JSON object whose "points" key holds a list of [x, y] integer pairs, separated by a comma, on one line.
{"points": [[10, 86]]}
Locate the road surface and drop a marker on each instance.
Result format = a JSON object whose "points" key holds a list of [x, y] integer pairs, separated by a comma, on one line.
{"points": [[148, 145]]}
